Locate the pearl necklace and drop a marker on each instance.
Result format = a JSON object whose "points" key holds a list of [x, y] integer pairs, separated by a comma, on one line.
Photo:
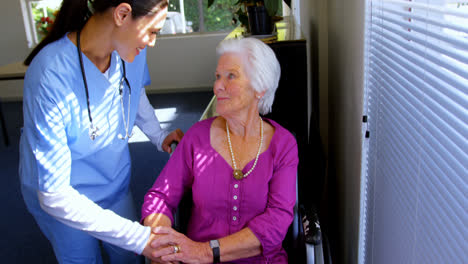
{"points": [[238, 175]]}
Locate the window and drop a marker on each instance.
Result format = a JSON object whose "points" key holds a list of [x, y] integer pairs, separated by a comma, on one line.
{"points": [[38, 16], [185, 16], [415, 160], [196, 17]]}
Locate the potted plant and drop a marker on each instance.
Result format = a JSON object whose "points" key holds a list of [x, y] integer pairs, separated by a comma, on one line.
{"points": [[256, 16]]}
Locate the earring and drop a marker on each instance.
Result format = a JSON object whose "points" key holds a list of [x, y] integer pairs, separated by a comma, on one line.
{"points": [[258, 96]]}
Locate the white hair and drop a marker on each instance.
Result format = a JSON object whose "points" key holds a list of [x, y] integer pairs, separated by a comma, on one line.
{"points": [[260, 64]]}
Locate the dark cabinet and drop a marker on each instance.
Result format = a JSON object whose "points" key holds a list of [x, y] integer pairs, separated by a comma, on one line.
{"points": [[290, 105]]}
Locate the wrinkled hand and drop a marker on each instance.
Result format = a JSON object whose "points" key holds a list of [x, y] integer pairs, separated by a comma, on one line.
{"points": [[149, 251], [164, 262], [176, 136], [155, 262], [189, 251]]}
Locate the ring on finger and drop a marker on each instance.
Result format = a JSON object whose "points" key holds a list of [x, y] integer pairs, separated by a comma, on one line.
{"points": [[176, 249]]}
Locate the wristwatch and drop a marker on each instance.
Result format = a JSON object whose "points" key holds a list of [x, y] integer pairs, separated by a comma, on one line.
{"points": [[214, 244]]}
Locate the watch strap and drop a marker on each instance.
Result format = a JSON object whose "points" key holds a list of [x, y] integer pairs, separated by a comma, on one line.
{"points": [[214, 244]]}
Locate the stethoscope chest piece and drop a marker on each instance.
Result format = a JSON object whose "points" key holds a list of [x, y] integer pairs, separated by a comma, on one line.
{"points": [[93, 132]]}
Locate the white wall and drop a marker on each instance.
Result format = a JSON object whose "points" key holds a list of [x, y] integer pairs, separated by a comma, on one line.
{"points": [[335, 33], [314, 25], [183, 62], [346, 65], [13, 45], [175, 64]]}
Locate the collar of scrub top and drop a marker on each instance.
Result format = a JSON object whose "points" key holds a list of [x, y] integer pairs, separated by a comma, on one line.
{"points": [[94, 130]]}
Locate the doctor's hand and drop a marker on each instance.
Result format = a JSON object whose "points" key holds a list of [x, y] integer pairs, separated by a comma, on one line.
{"points": [[174, 136], [150, 252], [175, 246]]}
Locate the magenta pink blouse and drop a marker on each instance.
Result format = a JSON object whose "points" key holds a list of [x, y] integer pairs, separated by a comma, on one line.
{"points": [[222, 205]]}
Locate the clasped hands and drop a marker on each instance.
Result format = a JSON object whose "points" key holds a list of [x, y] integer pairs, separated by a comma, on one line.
{"points": [[169, 246]]}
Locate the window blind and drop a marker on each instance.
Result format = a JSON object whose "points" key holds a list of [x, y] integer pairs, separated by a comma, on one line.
{"points": [[414, 206]]}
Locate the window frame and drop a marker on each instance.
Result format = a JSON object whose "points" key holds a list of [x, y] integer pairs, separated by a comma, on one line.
{"points": [[29, 26]]}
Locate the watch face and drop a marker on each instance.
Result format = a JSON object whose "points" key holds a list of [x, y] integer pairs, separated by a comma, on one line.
{"points": [[214, 243]]}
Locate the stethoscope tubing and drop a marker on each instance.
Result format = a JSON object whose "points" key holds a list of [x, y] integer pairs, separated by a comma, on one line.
{"points": [[94, 129]]}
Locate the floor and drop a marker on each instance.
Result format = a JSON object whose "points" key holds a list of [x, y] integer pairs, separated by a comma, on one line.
{"points": [[22, 241]]}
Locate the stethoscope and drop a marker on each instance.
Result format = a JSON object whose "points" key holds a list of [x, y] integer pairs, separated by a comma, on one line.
{"points": [[94, 130]]}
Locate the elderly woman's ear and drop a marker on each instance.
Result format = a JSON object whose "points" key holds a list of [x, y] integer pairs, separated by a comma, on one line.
{"points": [[260, 95]]}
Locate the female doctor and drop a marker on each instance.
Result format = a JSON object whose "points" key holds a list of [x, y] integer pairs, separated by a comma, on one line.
{"points": [[83, 92]]}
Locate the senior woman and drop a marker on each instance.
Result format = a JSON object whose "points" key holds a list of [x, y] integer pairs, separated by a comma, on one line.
{"points": [[241, 170]]}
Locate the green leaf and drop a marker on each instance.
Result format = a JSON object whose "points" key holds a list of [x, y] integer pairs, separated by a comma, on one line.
{"points": [[272, 6], [239, 12], [244, 20], [210, 3]]}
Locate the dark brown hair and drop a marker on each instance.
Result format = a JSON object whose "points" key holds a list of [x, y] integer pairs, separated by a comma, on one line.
{"points": [[73, 15]]}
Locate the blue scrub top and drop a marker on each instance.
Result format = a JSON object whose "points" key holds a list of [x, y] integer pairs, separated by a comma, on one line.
{"points": [[55, 147]]}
